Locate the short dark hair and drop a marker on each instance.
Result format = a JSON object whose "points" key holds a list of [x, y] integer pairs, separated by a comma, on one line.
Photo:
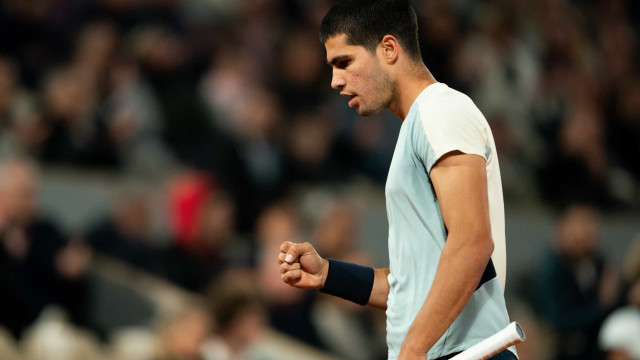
{"points": [[366, 22]]}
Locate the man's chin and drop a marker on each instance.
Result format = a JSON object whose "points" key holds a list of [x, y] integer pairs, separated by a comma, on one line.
{"points": [[367, 112]]}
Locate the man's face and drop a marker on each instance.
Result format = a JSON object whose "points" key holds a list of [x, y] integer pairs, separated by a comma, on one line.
{"points": [[359, 75], [19, 192], [578, 231]]}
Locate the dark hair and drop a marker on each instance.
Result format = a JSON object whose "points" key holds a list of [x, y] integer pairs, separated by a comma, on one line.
{"points": [[366, 22]]}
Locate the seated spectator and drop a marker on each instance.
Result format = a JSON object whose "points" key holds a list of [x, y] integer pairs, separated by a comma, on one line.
{"points": [[133, 121], [126, 234], [73, 135], [578, 163], [182, 333], [575, 288], [240, 316], [22, 131], [203, 220], [40, 266]]}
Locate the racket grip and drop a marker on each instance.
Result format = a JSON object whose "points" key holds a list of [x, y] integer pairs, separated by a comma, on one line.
{"points": [[495, 344]]}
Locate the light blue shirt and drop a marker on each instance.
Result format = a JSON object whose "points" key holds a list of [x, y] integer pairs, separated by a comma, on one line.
{"points": [[441, 120]]}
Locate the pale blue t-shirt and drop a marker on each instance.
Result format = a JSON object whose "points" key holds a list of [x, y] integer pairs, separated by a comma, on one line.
{"points": [[441, 120]]}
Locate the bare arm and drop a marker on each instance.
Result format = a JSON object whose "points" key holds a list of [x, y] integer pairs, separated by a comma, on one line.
{"points": [[380, 291], [302, 267], [461, 187]]}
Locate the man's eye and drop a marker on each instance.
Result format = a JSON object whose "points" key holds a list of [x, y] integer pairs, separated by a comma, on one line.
{"points": [[343, 64]]}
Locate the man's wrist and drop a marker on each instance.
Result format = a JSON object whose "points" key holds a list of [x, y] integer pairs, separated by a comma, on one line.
{"points": [[348, 281], [414, 347], [325, 271]]}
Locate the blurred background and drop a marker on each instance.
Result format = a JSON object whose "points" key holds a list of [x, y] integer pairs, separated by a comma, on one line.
{"points": [[155, 153]]}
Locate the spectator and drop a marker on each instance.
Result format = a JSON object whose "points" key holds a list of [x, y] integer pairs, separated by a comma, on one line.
{"points": [[301, 83], [21, 127], [502, 65], [41, 265], [579, 156], [311, 149], [126, 234], [74, 137], [182, 333], [133, 119], [240, 317], [203, 220], [574, 286]]}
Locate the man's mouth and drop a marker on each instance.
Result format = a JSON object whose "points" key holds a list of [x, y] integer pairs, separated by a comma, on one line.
{"points": [[351, 96], [352, 102]]}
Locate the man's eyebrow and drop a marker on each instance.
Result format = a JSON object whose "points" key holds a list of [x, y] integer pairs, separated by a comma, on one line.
{"points": [[336, 59]]}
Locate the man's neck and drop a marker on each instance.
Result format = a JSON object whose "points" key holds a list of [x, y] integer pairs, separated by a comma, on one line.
{"points": [[408, 88]]}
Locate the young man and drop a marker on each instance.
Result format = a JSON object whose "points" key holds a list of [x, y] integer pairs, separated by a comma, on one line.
{"points": [[443, 291]]}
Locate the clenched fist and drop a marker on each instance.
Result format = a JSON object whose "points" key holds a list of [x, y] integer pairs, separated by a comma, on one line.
{"points": [[301, 266]]}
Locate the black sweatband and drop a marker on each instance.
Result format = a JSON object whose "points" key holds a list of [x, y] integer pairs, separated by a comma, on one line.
{"points": [[349, 281]]}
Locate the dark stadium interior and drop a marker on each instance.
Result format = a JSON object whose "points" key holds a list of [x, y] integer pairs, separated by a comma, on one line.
{"points": [[155, 153]]}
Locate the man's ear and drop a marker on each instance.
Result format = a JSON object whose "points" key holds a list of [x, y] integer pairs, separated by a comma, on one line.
{"points": [[390, 48]]}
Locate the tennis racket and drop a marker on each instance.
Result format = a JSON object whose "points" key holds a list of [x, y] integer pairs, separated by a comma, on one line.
{"points": [[495, 344]]}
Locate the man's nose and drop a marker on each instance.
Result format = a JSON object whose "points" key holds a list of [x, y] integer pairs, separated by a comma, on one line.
{"points": [[337, 81]]}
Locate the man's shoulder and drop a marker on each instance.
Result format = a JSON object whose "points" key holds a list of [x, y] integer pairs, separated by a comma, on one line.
{"points": [[440, 106], [439, 96]]}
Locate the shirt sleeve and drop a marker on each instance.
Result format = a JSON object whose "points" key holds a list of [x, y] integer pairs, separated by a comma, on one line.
{"points": [[449, 128]]}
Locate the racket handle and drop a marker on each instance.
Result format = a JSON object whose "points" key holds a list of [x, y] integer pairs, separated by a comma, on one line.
{"points": [[495, 344]]}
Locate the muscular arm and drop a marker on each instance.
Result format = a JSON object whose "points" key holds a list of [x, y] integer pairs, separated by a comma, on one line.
{"points": [[461, 187]]}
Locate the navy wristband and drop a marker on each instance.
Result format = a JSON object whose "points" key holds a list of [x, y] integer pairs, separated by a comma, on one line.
{"points": [[349, 281]]}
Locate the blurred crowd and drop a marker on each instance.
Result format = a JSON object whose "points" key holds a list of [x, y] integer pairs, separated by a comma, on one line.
{"points": [[227, 104]]}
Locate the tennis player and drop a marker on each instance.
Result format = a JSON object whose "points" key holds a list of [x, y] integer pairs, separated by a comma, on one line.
{"points": [[443, 291]]}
